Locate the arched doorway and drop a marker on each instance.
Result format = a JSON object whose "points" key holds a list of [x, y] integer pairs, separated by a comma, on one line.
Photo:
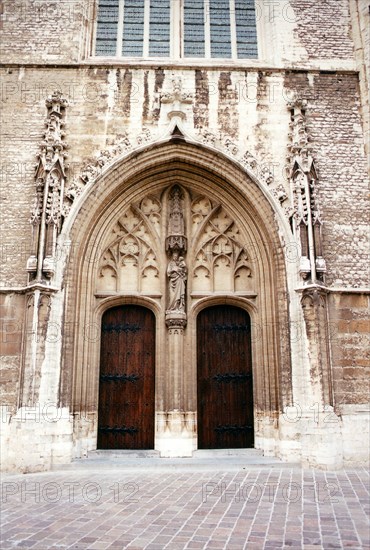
{"points": [[231, 258], [127, 377], [224, 372]]}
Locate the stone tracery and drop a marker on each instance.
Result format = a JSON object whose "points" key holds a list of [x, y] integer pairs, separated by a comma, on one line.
{"points": [[129, 261], [221, 261]]}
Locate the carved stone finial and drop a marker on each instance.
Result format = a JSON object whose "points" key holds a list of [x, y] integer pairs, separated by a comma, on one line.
{"points": [[50, 181], [299, 148], [177, 98], [303, 178], [176, 239]]}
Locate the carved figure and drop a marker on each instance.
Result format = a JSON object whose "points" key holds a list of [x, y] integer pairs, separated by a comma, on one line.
{"points": [[177, 276]]}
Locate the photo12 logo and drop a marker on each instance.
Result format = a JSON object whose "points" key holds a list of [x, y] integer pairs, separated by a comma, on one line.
{"points": [[69, 491], [253, 492]]}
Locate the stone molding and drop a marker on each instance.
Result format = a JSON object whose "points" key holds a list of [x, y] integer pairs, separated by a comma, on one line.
{"points": [[126, 145]]}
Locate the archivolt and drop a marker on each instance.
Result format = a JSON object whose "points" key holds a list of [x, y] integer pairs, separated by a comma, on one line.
{"points": [[206, 173]]}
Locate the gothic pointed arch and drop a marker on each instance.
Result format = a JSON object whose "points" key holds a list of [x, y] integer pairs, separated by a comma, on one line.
{"points": [[233, 253]]}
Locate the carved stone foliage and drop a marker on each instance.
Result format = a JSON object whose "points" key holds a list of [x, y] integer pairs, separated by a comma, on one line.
{"points": [[262, 171], [221, 260], [129, 262], [94, 168]]}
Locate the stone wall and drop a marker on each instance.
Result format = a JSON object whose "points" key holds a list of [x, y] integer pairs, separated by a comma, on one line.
{"points": [[12, 328], [35, 31], [324, 28], [360, 14], [350, 338], [248, 107]]}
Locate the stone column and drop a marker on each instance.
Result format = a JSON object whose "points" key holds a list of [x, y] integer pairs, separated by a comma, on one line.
{"points": [[176, 441]]}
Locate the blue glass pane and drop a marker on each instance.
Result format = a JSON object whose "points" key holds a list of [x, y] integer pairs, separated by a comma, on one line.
{"points": [[194, 28], [106, 32], [159, 28], [246, 32], [133, 28], [220, 28]]}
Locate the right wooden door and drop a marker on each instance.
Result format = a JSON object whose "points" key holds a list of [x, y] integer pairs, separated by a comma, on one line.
{"points": [[224, 371]]}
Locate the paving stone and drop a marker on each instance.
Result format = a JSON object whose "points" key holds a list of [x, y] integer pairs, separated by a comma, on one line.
{"points": [[157, 522]]}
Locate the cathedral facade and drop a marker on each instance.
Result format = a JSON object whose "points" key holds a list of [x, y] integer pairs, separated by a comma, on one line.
{"points": [[185, 229]]}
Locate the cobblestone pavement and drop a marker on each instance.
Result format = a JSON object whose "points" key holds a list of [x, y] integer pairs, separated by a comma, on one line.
{"points": [[250, 507]]}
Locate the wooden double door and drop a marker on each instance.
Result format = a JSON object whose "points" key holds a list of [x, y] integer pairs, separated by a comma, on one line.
{"points": [[127, 379]]}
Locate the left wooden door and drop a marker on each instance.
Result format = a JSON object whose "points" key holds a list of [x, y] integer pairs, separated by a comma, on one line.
{"points": [[127, 378]]}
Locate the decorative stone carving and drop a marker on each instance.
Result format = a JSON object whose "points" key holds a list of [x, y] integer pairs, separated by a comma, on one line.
{"points": [[299, 147], [208, 137], [177, 98], [231, 147], [250, 161], [280, 193], [177, 275], [129, 261], [303, 178], [261, 171], [37, 208], [176, 239], [221, 260], [144, 137], [47, 212], [176, 245], [94, 168]]}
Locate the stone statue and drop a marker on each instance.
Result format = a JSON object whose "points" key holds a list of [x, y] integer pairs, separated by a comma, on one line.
{"points": [[177, 275]]}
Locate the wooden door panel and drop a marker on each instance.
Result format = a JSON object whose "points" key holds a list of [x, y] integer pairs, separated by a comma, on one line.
{"points": [[127, 372], [225, 388]]}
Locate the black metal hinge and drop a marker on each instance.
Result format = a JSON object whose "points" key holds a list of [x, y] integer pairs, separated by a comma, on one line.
{"points": [[233, 429], [119, 377], [232, 377], [118, 430], [119, 327], [231, 328]]}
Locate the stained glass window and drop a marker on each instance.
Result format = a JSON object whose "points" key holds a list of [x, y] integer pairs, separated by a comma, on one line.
{"points": [[221, 29]]}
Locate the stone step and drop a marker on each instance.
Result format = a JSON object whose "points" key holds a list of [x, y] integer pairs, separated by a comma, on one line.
{"points": [[218, 453], [216, 459], [109, 454]]}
